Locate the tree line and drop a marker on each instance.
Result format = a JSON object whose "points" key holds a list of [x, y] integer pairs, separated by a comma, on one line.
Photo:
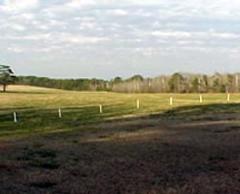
{"points": [[66, 84], [176, 83]]}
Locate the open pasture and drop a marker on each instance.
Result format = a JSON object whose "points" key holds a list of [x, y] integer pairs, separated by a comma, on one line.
{"points": [[187, 147], [37, 109]]}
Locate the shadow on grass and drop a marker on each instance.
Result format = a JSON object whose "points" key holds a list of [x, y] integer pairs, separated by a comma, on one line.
{"points": [[182, 163], [202, 110], [31, 120], [190, 112]]}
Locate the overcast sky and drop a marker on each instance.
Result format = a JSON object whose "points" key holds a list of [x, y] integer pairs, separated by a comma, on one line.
{"points": [[108, 38]]}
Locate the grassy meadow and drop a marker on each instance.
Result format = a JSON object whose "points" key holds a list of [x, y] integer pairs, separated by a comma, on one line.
{"points": [[37, 108], [187, 148]]}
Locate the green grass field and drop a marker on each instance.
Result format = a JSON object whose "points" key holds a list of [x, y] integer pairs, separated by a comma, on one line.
{"points": [[187, 148], [37, 108]]}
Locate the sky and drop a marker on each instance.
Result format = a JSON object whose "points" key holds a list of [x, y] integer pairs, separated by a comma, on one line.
{"points": [[108, 38]]}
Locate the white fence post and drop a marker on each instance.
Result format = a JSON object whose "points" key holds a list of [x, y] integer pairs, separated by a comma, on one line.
{"points": [[15, 120], [60, 113], [228, 97], [171, 101], [100, 109], [201, 98], [138, 104]]}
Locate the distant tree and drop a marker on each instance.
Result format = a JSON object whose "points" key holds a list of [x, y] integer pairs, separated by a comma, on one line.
{"points": [[136, 78], [236, 82], [205, 83], [117, 80], [218, 86], [135, 83], [6, 76], [176, 83], [230, 83], [195, 85], [218, 83]]}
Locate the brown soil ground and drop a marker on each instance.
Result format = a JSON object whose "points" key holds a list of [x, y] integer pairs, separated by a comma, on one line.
{"points": [[135, 156]]}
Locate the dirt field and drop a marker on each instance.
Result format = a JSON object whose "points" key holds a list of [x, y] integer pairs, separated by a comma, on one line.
{"points": [[151, 155]]}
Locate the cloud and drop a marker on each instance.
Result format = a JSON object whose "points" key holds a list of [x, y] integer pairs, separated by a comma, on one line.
{"points": [[174, 34], [15, 49], [17, 27], [198, 35], [13, 27], [80, 3], [146, 29], [225, 35], [27, 16], [19, 5], [57, 38], [80, 39], [67, 7], [118, 12]]}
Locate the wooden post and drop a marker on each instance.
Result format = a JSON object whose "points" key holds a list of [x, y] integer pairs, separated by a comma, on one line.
{"points": [[100, 109], [171, 101], [60, 113], [228, 97], [15, 117], [201, 98], [138, 104]]}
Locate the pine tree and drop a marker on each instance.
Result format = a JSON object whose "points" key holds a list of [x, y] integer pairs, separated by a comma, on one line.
{"points": [[6, 76]]}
